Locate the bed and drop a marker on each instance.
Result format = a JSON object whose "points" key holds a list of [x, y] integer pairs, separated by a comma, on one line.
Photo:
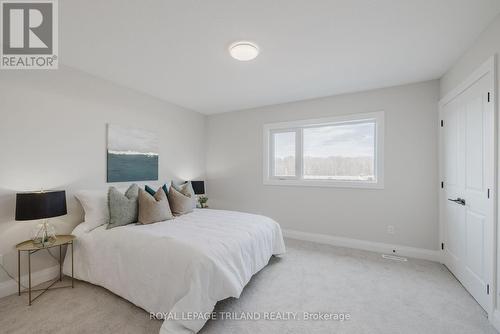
{"points": [[181, 267]]}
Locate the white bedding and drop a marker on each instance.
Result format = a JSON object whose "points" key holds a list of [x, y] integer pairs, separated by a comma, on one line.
{"points": [[182, 265]]}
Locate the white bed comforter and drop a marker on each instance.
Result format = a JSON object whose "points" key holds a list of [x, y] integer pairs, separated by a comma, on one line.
{"points": [[178, 266]]}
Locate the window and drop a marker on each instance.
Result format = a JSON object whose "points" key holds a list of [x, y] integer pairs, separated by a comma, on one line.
{"points": [[284, 154], [341, 151]]}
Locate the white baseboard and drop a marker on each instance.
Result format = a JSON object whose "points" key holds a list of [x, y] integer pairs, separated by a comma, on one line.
{"points": [[10, 287], [495, 320], [378, 247]]}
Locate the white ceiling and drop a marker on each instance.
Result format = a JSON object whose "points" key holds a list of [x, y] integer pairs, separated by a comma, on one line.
{"points": [[177, 50]]}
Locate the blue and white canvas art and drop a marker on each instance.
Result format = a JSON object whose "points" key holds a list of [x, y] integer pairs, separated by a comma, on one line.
{"points": [[132, 154]]}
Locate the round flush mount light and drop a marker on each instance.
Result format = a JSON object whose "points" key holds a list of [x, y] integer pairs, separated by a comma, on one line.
{"points": [[243, 50]]}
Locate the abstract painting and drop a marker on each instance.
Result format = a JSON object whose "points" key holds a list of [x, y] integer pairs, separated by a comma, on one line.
{"points": [[132, 154]]}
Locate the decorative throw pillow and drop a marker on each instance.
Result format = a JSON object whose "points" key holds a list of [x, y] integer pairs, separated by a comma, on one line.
{"points": [[187, 190], [123, 208], [179, 203], [95, 206], [153, 209], [152, 192]]}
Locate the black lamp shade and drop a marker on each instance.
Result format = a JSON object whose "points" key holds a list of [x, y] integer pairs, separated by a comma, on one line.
{"points": [[40, 205], [198, 187]]}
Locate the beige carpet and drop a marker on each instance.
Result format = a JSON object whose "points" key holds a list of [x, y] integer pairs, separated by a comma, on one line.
{"points": [[381, 296]]}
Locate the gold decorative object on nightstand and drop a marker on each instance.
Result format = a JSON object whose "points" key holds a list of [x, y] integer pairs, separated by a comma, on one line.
{"points": [[30, 247]]}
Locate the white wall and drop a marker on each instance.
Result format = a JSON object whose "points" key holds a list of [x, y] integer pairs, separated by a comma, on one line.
{"points": [[487, 45], [409, 200], [53, 136]]}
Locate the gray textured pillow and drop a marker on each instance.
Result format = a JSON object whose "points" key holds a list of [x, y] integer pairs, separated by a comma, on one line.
{"points": [[187, 190], [123, 209], [179, 203], [155, 208]]}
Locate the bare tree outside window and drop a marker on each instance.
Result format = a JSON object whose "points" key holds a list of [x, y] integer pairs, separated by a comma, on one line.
{"points": [[284, 154], [340, 152]]}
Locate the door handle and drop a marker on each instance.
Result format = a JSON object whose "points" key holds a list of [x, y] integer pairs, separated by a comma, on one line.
{"points": [[459, 200]]}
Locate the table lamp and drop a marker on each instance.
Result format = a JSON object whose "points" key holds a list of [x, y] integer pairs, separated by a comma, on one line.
{"points": [[199, 191], [41, 205], [198, 187]]}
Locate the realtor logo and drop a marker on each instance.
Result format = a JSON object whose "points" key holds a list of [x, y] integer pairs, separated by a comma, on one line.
{"points": [[29, 38]]}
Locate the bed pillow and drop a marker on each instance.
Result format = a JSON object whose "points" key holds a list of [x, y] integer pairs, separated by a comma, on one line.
{"points": [[153, 209], [123, 208], [187, 190], [179, 203], [95, 207]]}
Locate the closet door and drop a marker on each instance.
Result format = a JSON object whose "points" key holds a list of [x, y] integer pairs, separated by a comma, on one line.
{"points": [[468, 174]]}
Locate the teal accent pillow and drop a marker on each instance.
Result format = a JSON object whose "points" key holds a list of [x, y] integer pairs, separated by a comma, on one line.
{"points": [[152, 192], [123, 208]]}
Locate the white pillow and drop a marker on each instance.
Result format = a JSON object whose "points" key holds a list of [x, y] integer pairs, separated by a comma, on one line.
{"points": [[95, 205]]}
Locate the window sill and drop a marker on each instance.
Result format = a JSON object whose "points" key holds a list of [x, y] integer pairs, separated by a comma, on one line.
{"points": [[324, 183]]}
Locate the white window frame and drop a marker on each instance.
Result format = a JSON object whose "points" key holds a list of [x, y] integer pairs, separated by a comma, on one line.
{"points": [[298, 127]]}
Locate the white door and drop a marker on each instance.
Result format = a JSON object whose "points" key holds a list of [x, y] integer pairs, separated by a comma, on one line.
{"points": [[467, 205]]}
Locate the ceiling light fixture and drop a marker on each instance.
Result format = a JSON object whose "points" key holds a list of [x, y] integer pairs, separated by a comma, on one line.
{"points": [[243, 50]]}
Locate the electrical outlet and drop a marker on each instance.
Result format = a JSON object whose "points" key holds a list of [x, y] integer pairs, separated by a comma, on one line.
{"points": [[390, 229]]}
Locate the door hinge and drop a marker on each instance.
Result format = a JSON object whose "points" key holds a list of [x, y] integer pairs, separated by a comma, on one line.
{"points": [[489, 97], [488, 193], [442, 185], [442, 123], [442, 245], [487, 289]]}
